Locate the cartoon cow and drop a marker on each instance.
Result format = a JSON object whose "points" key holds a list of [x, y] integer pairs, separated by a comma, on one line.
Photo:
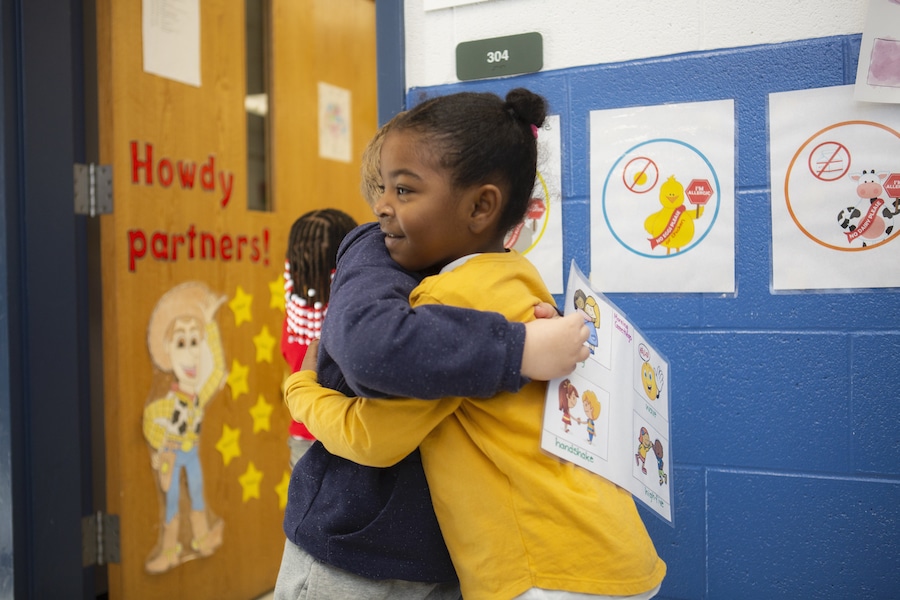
{"points": [[871, 220]]}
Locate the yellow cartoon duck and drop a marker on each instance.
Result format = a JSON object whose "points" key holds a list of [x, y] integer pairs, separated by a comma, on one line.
{"points": [[673, 226]]}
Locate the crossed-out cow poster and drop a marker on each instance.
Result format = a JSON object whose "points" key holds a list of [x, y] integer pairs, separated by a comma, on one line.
{"points": [[662, 198], [835, 177], [611, 414]]}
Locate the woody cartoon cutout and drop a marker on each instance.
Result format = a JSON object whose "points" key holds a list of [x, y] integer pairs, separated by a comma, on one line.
{"points": [[184, 343]]}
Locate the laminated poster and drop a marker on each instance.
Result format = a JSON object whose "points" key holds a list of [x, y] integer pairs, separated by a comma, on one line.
{"points": [[835, 168], [539, 236], [335, 123], [611, 415], [662, 198], [878, 70]]}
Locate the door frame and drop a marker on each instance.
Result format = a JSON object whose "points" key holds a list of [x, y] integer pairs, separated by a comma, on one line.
{"points": [[44, 396], [47, 125], [391, 58]]}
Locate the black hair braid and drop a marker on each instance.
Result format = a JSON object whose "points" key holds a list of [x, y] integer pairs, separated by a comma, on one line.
{"points": [[312, 251], [482, 138]]}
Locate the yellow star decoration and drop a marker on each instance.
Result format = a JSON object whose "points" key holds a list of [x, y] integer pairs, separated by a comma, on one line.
{"points": [[237, 379], [282, 490], [261, 411], [250, 481], [276, 293], [264, 343], [240, 306], [229, 444]]}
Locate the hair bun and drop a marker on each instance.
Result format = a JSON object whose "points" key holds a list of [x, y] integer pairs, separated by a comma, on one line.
{"points": [[527, 106]]}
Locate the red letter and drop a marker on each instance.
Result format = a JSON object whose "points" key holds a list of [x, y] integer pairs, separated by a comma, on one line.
{"points": [[207, 240], [225, 245], [207, 174], [254, 252], [186, 172], [142, 164], [134, 236], [159, 245], [191, 236], [226, 187], [241, 242], [177, 238], [164, 171]]}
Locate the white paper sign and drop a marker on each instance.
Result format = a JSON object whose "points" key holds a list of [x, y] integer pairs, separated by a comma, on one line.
{"points": [[835, 167], [171, 39], [662, 198], [439, 4], [539, 237], [611, 415], [335, 122], [878, 71]]}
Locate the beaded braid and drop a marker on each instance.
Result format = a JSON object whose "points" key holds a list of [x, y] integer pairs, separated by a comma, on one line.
{"points": [[308, 268]]}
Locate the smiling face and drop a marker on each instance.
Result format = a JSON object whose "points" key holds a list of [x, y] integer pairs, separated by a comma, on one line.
{"points": [[184, 351], [649, 379], [425, 220]]}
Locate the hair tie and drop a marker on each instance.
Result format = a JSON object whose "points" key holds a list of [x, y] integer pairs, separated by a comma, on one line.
{"points": [[534, 130]]}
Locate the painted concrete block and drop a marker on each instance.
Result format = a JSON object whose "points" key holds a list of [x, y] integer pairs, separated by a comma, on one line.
{"points": [[792, 537], [682, 547]]}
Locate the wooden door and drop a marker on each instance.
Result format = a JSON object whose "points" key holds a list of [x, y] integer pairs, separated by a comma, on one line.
{"points": [[196, 429]]}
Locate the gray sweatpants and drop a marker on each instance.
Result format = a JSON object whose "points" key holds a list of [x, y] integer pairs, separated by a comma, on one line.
{"points": [[302, 577]]}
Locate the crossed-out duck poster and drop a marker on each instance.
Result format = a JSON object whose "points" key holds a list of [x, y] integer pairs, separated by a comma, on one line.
{"points": [[662, 198], [611, 414]]}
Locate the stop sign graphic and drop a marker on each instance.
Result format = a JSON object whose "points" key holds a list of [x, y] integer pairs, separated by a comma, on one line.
{"points": [[699, 191], [892, 185]]}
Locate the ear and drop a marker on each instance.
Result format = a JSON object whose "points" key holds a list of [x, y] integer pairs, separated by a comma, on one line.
{"points": [[485, 206]]}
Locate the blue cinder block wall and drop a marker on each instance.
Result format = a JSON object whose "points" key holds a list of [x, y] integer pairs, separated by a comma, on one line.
{"points": [[785, 427]]}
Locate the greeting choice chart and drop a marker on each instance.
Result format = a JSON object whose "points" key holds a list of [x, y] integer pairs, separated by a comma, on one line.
{"points": [[611, 414]]}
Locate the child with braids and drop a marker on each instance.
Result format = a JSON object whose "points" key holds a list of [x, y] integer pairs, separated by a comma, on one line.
{"points": [[361, 532], [308, 268], [458, 173]]}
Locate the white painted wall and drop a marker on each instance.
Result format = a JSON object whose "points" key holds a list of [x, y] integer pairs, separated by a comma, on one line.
{"points": [[591, 32]]}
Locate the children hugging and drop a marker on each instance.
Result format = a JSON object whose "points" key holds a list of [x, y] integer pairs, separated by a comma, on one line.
{"points": [[450, 317]]}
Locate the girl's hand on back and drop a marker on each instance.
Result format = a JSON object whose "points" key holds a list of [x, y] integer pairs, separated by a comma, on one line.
{"points": [[554, 346], [312, 353]]}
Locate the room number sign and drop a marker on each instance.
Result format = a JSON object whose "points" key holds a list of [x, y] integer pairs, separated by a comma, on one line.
{"points": [[500, 57]]}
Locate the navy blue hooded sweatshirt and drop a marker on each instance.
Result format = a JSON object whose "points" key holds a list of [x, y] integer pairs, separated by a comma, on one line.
{"points": [[379, 523]]}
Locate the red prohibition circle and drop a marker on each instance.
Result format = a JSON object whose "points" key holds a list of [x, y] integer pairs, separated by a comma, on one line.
{"points": [[836, 165], [643, 165], [790, 168]]}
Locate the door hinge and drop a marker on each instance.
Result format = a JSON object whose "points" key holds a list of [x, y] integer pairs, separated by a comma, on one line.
{"points": [[99, 539], [93, 189]]}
